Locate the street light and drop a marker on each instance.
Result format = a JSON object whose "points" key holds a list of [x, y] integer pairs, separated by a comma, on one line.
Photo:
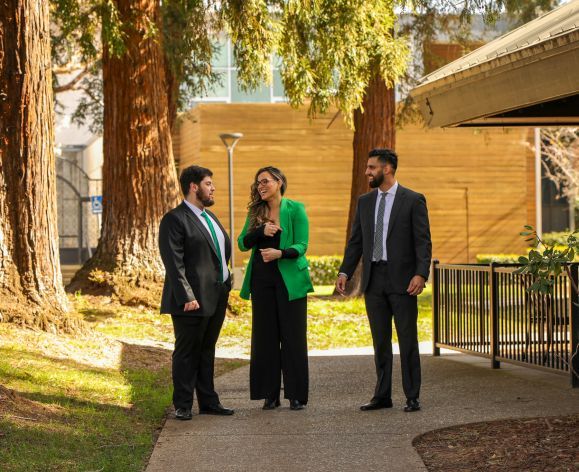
{"points": [[230, 140]]}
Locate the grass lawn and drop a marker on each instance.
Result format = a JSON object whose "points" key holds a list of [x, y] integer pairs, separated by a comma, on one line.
{"points": [[95, 402], [85, 403]]}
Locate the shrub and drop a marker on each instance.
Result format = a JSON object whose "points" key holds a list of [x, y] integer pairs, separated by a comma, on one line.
{"points": [[236, 305], [556, 239], [498, 258], [511, 258], [324, 269]]}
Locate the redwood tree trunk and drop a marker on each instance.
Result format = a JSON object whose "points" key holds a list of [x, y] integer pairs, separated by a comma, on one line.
{"points": [[139, 177], [31, 291], [374, 127]]}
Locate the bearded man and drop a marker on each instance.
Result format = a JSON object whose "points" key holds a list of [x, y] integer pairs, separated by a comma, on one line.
{"points": [[391, 234], [195, 250]]}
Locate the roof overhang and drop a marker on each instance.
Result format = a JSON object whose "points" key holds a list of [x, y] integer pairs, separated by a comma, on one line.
{"points": [[529, 77]]}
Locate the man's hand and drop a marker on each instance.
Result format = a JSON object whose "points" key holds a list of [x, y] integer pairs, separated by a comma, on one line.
{"points": [[341, 284], [191, 306], [416, 285], [270, 254], [270, 229]]}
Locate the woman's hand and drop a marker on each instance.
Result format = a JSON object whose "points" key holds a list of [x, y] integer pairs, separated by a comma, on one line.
{"points": [[270, 254], [270, 229]]}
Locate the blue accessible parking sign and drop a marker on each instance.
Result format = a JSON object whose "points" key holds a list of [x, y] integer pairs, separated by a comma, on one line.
{"points": [[96, 204]]}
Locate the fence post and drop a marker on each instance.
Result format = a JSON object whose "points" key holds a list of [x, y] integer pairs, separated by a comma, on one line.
{"points": [[494, 306], [574, 327], [435, 307]]}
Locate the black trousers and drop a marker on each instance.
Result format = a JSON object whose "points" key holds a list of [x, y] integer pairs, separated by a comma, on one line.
{"points": [[381, 305], [278, 342], [194, 355]]}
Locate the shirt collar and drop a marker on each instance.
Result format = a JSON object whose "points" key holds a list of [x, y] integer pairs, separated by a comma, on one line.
{"points": [[391, 191], [193, 208]]}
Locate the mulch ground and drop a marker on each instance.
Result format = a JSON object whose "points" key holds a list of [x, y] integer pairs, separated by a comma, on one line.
{"points": [[533, 444]]}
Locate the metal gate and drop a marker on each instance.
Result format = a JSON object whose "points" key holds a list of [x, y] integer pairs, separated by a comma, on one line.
{"points": [[77, 204]]}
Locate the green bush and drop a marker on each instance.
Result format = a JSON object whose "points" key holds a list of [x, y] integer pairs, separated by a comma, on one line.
{"points": [[237, 305], [324, 269], [498, 258], [556, 239]]}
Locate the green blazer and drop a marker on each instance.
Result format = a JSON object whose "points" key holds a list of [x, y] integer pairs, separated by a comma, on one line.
{"points": [[294, 234]]}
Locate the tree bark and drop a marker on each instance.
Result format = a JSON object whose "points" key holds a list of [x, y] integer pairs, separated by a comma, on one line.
{"points": [[139, 177], [374, 128], [31, 291]]}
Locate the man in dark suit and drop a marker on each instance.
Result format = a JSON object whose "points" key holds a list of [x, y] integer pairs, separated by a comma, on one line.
{"points": [[391, 233], [195, 250]]}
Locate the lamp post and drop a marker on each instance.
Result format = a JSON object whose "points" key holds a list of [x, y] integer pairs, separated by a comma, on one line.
{"points": [[230, 140]]}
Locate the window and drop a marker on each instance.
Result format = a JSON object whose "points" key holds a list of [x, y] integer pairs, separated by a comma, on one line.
{"points": [[227, 89]]}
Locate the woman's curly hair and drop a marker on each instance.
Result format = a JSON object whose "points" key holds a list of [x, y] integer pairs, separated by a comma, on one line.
{"points": [[258, 209]]}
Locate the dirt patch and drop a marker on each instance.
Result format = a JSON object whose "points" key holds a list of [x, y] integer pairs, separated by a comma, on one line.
{"points": [[152, 358], [533, 444], [20, 409]]}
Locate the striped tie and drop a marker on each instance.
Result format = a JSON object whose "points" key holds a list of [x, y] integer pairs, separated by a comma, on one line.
{"points": [[379, 230]]}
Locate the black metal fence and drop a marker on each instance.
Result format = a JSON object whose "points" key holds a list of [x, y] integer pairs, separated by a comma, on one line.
{"points": [[486, 310]]}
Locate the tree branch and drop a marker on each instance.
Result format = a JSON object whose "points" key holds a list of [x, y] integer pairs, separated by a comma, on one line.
{"points": [[71, 85]]}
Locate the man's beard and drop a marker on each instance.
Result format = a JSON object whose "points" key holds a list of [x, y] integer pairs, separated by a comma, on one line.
{"points": [[377, 181], [205, 199]]}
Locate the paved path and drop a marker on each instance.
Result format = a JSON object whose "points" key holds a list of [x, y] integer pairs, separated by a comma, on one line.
{"points": [[332, 434]]}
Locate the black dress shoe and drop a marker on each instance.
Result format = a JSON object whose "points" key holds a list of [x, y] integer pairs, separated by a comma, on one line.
{"points": [[218, 409], [270, 404], [412, 405], [376, 405], [183, 414], [296, 405]]}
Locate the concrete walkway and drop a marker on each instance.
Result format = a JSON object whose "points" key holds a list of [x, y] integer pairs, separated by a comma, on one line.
{"points": [[332, 434]]}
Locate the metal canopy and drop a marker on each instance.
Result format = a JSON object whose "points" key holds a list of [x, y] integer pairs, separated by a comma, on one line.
{"points": [[528, 77]]}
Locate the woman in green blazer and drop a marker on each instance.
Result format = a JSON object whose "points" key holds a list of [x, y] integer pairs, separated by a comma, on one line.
{"points": [[278, 280]]}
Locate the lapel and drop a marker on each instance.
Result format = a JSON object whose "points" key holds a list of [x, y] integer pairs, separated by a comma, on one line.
{"points": [[200, 226], [370, 210], [284, 222], [225, 235], [398, 202]]}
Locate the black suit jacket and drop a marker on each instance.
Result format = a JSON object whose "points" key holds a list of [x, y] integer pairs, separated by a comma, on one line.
{"points": [[408, 244], [191, 263]]}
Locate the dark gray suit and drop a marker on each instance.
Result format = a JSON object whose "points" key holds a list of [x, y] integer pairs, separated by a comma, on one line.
{"points": [[409, 253], [193, 273]]}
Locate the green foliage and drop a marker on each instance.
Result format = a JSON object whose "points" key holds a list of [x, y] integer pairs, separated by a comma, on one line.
{"points": [[556, 238], [324, 269], [237, 305], [498, 258], [253, 31], [548, 263], [332, 48], [189, 28]]}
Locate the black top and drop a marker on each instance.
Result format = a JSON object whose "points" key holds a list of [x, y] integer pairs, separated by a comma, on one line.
{"points": [[258, 239]]}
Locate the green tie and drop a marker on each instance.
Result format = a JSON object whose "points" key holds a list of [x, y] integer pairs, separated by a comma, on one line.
{"points": [[214, 236]]}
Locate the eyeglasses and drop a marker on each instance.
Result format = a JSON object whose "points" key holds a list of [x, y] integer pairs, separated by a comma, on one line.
{"points": [[263, 182]]}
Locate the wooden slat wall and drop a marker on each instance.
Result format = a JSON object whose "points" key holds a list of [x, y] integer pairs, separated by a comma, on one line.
{"points": [[490, 167]]}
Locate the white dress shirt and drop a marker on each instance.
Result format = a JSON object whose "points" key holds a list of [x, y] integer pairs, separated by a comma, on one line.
{"points": [[218, 233], [390, 195]]}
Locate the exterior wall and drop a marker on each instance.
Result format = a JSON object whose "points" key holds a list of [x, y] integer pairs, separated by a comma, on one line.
{"points": [[479, 184]]}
